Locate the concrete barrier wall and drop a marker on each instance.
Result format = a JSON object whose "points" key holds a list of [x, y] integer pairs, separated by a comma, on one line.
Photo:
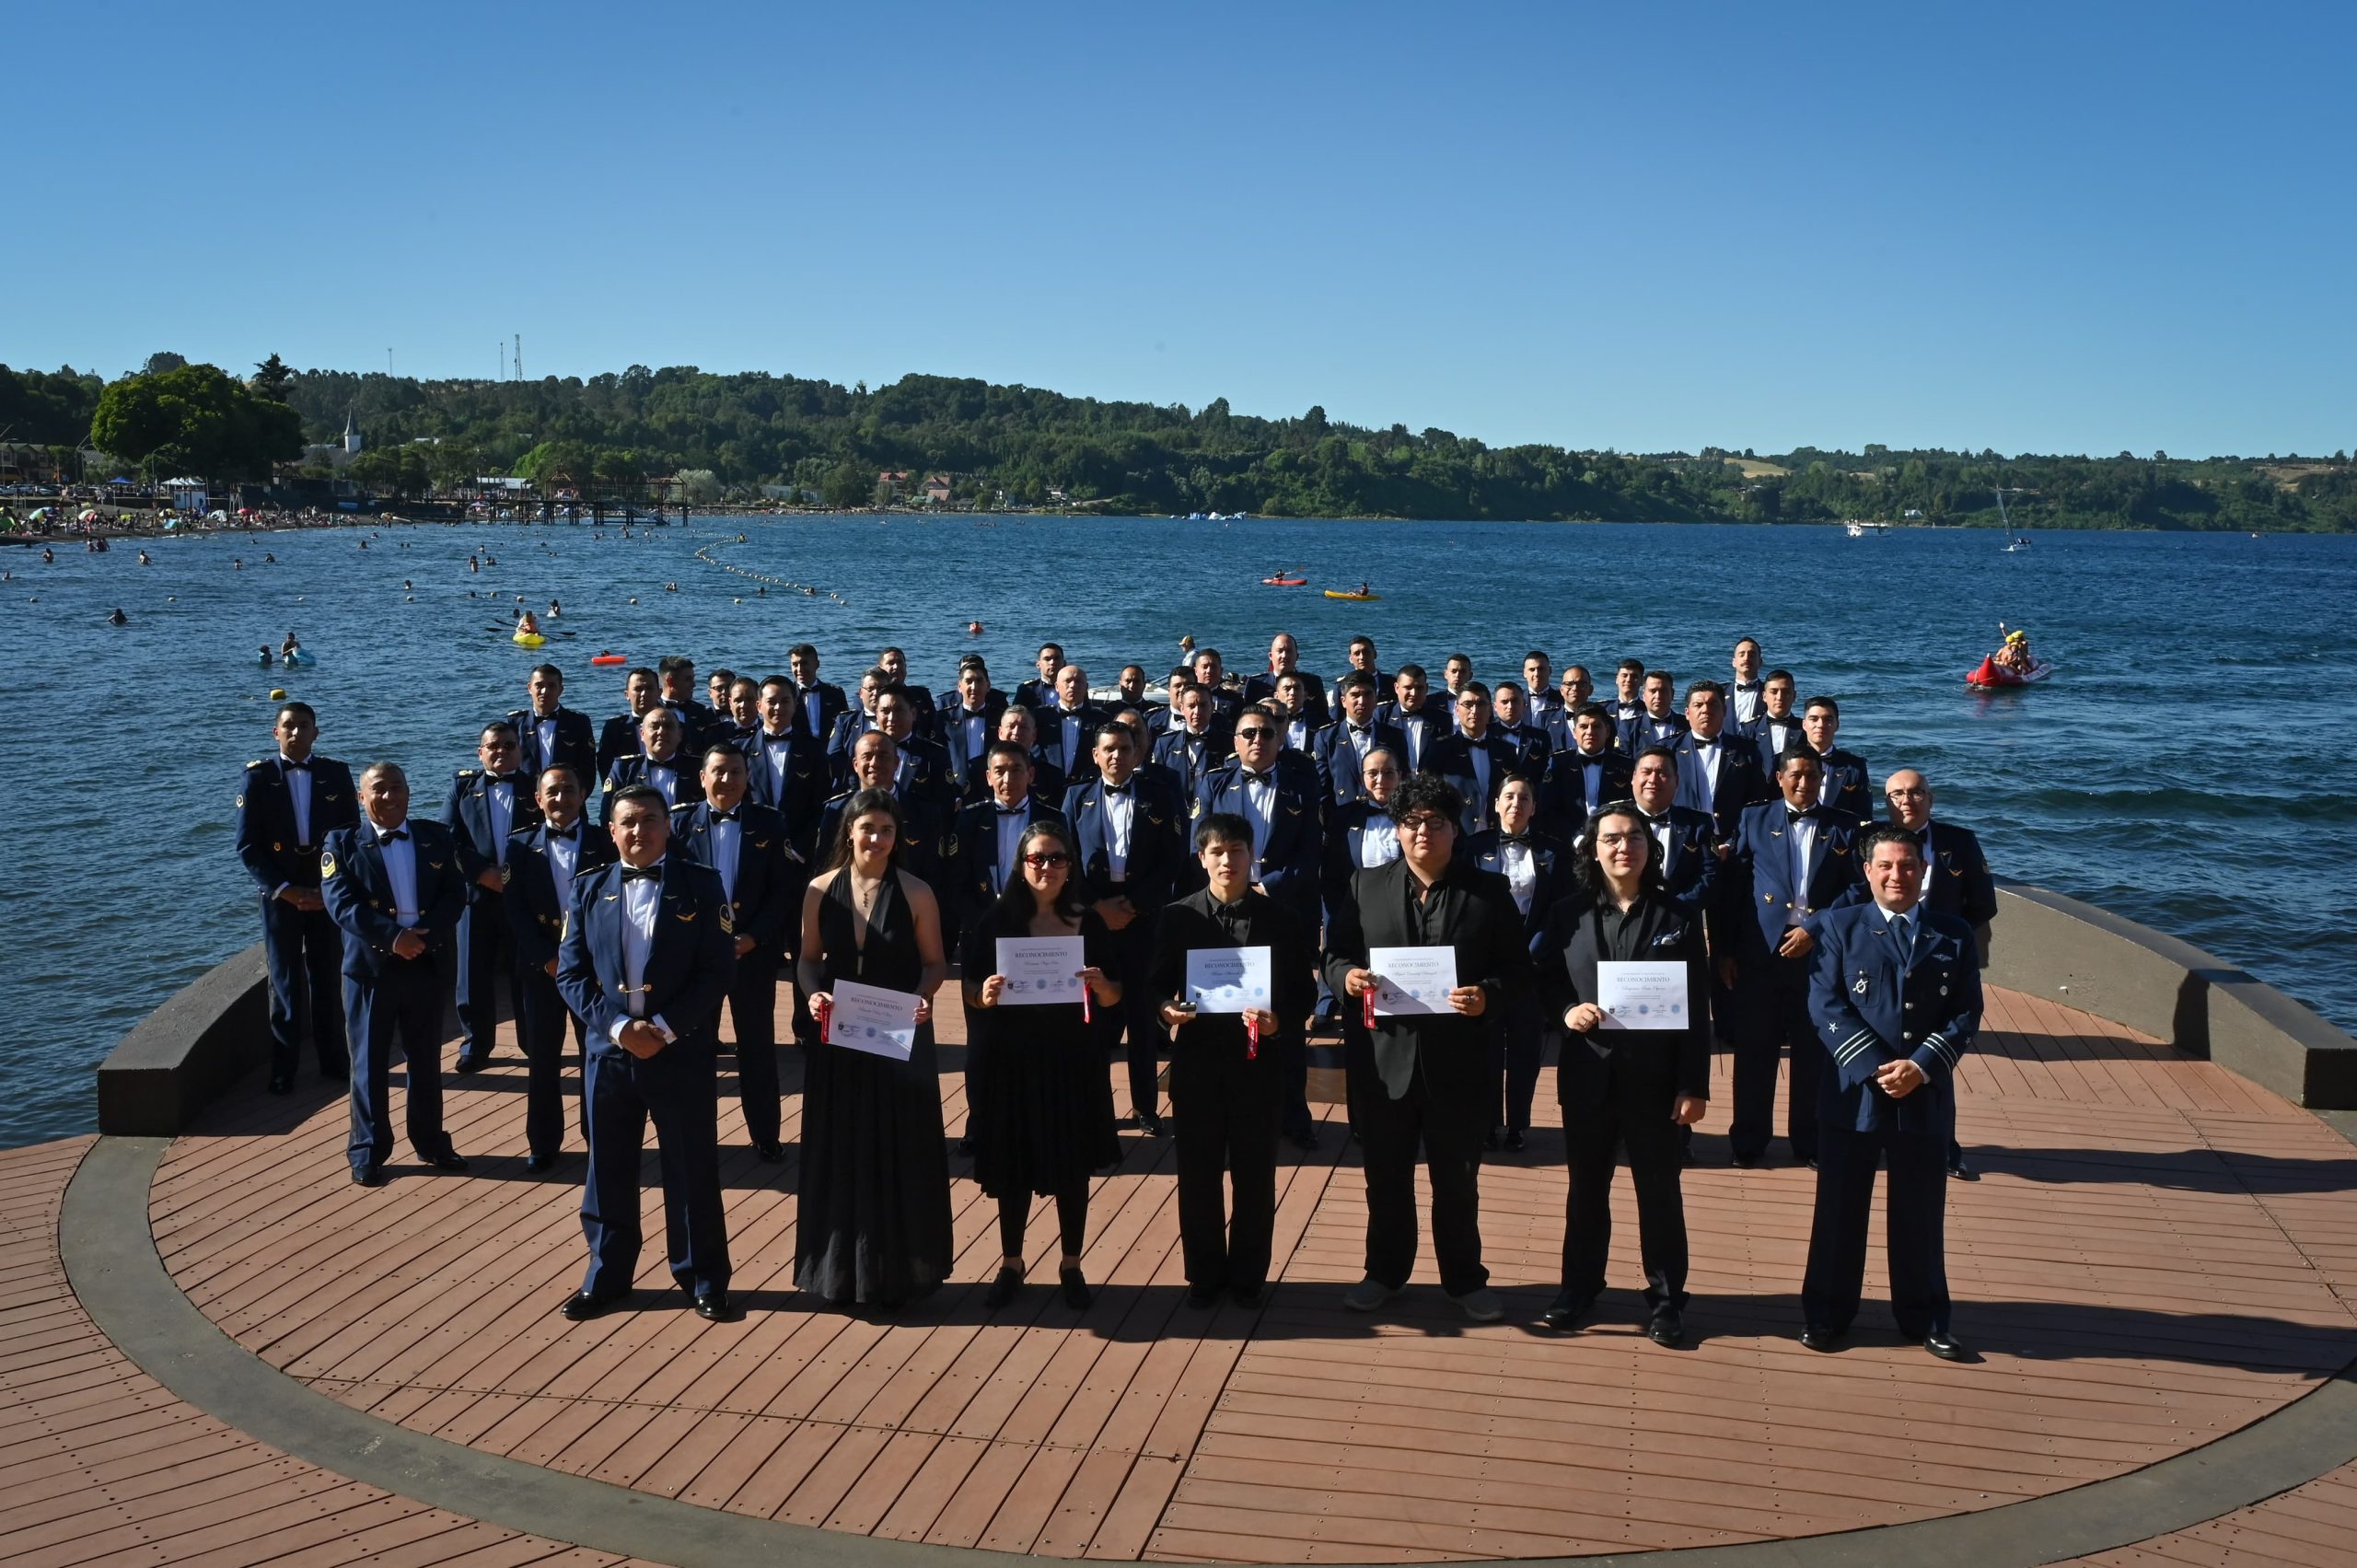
{"points": [[189, 1051], [2075, 953]]}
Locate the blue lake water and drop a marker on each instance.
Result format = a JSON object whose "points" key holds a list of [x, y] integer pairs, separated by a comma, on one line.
{"points": [[2183, 768]]}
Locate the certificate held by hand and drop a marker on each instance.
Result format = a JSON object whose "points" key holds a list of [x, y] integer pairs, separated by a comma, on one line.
{"points": [[869, 1018], [1643, 996], [1228, 979], [1413, 981], [1040, 972]]}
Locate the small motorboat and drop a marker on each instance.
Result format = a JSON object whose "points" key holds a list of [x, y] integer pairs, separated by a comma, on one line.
{"points": [[1995, 677], [1361, 597]]}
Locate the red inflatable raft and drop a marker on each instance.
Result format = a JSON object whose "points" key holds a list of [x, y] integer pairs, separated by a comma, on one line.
{"points": [[1995, 677]]}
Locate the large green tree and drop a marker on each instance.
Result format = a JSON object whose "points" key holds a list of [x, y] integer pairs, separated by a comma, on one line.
{"points": [[195, 419]]}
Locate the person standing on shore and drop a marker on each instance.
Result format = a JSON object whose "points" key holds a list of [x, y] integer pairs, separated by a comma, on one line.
{"points": [[395, 888], [1895, 998], [648, 954], [286, 807]]}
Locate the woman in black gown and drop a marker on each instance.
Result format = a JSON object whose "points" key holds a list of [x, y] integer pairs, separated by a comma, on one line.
{"points": [[1044, 1122], [873, 1225]]}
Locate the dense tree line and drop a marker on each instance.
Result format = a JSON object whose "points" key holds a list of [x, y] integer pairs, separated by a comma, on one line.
{"points": [[739, 431]]}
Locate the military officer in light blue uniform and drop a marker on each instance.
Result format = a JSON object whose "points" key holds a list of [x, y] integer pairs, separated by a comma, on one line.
{"points": [[1895, 997]]}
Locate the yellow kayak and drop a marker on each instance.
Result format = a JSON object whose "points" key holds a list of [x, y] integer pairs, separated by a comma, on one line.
{"points": [[1337, 593], [530, 639]]}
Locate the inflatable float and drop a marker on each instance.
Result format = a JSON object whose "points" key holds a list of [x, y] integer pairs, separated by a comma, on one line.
{"points": [[298, 659], [1995, 677], [610, 658]]}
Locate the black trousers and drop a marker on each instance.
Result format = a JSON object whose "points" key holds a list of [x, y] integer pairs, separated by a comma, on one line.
{"points": [[1132, 1025], [1914, 1230], [752, 1015], [1606, 1106], [397, 1009], [1449, 1130], [305, 952], [1227, 1111], [676, 1089], [1517, 1045], [542, 1031], [1772, 1021], [486, 945]]}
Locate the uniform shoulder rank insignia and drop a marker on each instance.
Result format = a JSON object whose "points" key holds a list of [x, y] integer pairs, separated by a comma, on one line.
{"points": [[257, 763], [1195, 806], [466, 772], [327, 863], [727, 922]]}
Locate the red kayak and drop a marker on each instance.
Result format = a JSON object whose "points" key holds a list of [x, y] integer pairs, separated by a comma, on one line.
{"points": [[1995, 677], [1284, 582]]}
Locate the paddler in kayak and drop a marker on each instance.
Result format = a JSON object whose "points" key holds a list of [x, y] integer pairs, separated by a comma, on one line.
{"points": [[2014, 655]]}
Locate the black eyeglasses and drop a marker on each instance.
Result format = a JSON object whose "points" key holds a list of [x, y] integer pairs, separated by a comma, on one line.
{"points": [[1043, 862]]}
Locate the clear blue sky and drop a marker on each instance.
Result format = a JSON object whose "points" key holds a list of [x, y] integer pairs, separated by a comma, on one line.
{"points": [[2053, 227]]}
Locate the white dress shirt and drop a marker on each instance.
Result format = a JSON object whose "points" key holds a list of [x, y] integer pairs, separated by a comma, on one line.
{"points": [[400, 869], [299, 792], [778, 751], [1260, 804], [726, 838], [1480, 801], [1414, 728], [1592, 781], [564, 861], [544, 732], [1011, 825], [501, 796], [1804, 835], [1119, 812], [665, 776], [642, 897], [1069, 737], [1522, 874], [1707, 753], [1378, 843], [1743, 699]]}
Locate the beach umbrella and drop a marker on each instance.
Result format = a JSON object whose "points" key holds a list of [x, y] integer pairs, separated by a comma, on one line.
{"points": [[92, 517], [38, 513]]}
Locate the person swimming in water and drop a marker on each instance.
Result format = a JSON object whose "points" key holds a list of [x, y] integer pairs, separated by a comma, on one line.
{"points": [[289, 648], [118, 618], [263, 658], [555, 610]]}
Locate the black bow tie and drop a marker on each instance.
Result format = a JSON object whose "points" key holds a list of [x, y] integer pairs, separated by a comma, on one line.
{"points": [[1749, 685], [642, 874], [1010, 810], [1121, 789], [1251, 777], [396, 833], [1513, 839], [303, 766], [723, 817], [1792, 816], [567, 835]]}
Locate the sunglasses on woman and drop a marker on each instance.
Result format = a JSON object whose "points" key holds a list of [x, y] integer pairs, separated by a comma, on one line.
{"points": [[1042, 862]]}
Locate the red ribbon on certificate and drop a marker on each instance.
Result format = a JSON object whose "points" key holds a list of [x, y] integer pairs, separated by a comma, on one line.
{"points": [[1251, 1036], [826, 1020], [1087, 1014], [1366, 1011]]}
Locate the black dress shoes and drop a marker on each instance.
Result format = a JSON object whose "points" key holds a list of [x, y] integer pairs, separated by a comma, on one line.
{"points": [[966, 1147], [1961, 1171], [1307, 1142], [771, 1152], [1566, 1311], [714, 1306], [541, 1163], [1667, 1328], [448, 1159], [1077, 1294], [282, 1083], [1247, 1295], [582, 1306], [368, 1176], [1946, 1346], [1516, 1143], [475, 1064], [1150, 1124], [1002, 1287], [1202, 1297], [1823, 1340]]}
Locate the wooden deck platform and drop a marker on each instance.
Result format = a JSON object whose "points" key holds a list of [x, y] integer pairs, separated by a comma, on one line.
{"points": [[2159, 1254]]}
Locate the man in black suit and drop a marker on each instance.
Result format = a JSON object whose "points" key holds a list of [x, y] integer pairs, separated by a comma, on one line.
{"points": [[895, 665], [1717, 774], [484, 807], [1686, 841], [1288, 701], [1627, 703], [550, 732], [394, 886], [1129, 834], [819, 703], [1040, 691], [745, 844], [1659, 724], [1473, 760], [924, 818], [1021, 726], [1226, 693], [543, 860], [1429, 1078], [1161, 716], [1225, 1091], [1576, 692], [1339, 750], [677, 674], [1845, 771], [1540, 697], [1583, 775], [286, 807], [1284, 658], [619, 738]]}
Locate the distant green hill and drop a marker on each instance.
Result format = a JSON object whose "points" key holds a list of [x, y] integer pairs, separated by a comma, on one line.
{"points": [[740, 431]]}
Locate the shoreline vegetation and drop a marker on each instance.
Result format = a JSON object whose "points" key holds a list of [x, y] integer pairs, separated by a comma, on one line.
{"points": [[681, 436]]}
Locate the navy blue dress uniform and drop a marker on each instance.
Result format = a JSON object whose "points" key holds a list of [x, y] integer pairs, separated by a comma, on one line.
{"points": [[1536, 868], [700, 724], [1771, 737], [1226, 1095], [1618, 1086], [1686, 845], [924, 771], [279, 834], [1772, 1008], [763, 885], [617, 740], [1340, 751], [966, 740], [654, 944], [1644, 730], [925, 833], [1576, 783], [1845, 787], [1078, 761], [679, 778], [972, 876], [816, 707], [542, 866], [1147, 822], [1531, 746], [482, 825], [564, 737], [844, 733], [1195, 756], [1720, 780], [391, 1001], [1883, 988], [1419, 732], [1334, 691], [1429, 1077], [786, 773], [1475, 769]]}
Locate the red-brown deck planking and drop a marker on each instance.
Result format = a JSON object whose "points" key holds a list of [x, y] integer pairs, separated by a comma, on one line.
{"points": [[2158, 1254]]}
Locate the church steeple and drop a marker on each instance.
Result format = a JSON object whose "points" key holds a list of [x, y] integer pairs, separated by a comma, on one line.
{"points": [[350, 435]]}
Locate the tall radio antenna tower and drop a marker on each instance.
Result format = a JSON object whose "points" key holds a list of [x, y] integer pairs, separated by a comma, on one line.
{"points": [[519, 356]]}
